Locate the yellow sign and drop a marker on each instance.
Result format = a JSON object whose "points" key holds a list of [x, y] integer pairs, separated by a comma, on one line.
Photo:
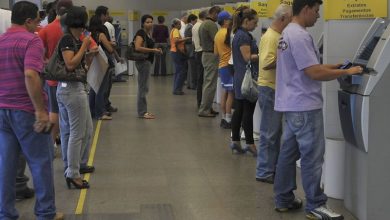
{"points": [[229, 8], [160, 13], [354, 9], [240, 4], [133, 15], [117, 13], [260, 7], [273, 5]]}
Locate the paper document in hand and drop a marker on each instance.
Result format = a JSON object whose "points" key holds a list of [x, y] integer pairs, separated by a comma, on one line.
{"points": [[120, 68], [97, 71], [103, 54]]}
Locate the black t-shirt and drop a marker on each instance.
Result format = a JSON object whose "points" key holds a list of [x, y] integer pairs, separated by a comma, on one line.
{"points": [[149, 43], [67, 42]]}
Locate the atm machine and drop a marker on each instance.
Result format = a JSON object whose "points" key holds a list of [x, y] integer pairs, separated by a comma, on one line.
{"points": [[364, 107]]}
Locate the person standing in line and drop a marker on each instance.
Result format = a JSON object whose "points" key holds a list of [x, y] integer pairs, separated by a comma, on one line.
{"points": [[223, 51], [21, 188], [244, 51], [183, 22], [191, 77], [160, 36], [299, 96], [144, 43], [50, 36], [75, 118], [207, 31], [270, 120], [198, 57], [25, 126], [178, 56], [103, 13]]}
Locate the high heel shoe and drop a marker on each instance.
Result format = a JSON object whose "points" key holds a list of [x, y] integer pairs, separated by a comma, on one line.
{"points": [[236, 148], [70, 181], [251, 149]]}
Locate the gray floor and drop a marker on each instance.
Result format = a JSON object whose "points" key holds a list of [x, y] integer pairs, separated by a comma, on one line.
{"points": [[177, 166]]}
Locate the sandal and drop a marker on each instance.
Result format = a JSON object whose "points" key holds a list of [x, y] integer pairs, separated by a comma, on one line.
{"points": [[148, 115]]}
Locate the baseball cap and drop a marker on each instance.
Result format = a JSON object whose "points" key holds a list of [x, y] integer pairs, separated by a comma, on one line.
{"points": [[224, 15]]}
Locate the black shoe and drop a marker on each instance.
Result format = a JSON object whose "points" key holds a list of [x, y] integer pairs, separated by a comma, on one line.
{"points": [[269, 179], [87, 169], [70, 182], [209, 115], [112, 109], [214, 112], [27, 193], [222, 124], [178, 93], [225, 125], [296, 204]]}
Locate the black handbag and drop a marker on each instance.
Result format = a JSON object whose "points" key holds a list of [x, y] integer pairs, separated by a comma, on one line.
{"points": [[134, 55], [56, 69]]}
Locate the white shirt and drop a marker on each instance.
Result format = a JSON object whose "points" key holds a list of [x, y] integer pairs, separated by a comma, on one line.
{"points": [[111, 31], [195, 36], [5, 20], [182, 29]]}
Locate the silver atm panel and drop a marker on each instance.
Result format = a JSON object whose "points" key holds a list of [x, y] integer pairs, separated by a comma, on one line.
{"points": [[364, 108]]}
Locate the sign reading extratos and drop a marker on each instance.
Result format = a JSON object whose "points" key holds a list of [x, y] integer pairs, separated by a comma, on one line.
{"points": [[354, 9]]}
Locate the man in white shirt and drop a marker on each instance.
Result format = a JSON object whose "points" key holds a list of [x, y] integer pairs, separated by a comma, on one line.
{"points": [[183, 20], [111, 30], [198, 55]]}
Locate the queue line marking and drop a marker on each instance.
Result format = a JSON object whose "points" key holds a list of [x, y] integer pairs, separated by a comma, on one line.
{"points": [[83, 192]]}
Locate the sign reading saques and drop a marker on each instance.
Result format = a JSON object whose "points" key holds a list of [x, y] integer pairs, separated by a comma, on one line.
{"points": [[273, 5], [354, 9]]}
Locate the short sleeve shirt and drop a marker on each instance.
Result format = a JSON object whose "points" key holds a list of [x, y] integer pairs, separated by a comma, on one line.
{"points": [[295, 91], [67, 42], [268, 51], [21, 51], [224, 51], [149, 42], [242, 38], [176, 34]]}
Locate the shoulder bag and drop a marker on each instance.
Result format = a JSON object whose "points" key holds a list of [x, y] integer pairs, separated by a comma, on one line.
{"points": [[133, 54], [249, 88], [56, 69]]}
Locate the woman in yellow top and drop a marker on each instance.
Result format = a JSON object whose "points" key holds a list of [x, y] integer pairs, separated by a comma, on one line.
{"points": [[178, 56], [223, 50]]}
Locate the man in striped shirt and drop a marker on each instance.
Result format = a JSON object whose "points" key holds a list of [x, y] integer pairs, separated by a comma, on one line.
{"points": [[25, 125]]}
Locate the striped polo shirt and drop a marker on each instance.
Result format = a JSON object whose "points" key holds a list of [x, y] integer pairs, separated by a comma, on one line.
{"points": [[20, 50]]}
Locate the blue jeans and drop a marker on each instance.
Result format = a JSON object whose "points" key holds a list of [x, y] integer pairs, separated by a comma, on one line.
{"points": [[98, 100], [303, 137], [75, 126], [270, 133], [181, 67], [143, 68], [17, 135]]}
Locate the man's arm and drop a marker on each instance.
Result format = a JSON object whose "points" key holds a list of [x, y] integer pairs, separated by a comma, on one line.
{"points": [[330, 72], [34, 88]]}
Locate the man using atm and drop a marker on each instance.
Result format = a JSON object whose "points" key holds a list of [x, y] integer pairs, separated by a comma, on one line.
{"points": [[299, 96]]}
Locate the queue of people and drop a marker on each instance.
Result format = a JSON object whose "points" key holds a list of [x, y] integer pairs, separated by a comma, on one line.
{"points": [[286, 65]]}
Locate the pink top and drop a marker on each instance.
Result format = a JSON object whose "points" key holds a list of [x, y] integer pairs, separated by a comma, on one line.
{"points": [[20, 50]]}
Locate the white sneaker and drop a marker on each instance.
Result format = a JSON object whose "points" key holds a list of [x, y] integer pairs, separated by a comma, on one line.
{"points": [[324, 213]]}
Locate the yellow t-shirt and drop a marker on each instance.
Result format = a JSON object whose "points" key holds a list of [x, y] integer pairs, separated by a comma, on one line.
{"points": [[220, 48], [176, 34], [268, 49]]}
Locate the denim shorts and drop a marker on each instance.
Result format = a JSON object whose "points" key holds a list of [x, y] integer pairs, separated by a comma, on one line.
{"points": [[226, 75], [51, 93]]}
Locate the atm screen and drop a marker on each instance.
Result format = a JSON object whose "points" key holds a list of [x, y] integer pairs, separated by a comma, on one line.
{"points": [[367, 52]]}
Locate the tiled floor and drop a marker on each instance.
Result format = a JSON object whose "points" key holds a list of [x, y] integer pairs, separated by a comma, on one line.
{"points": [[178, 159]]}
